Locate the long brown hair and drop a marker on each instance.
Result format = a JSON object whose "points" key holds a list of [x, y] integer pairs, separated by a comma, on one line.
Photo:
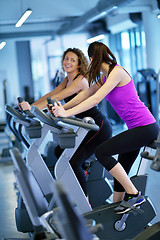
{"points": [[82, 59], [99, 53]]}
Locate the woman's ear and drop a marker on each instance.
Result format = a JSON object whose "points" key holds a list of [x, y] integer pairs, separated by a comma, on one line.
{"points": [[90, 59]]}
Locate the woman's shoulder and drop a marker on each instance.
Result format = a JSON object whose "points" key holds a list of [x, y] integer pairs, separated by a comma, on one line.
{"points": [[118, 68], [121, 70], [81, 78], [81, 81], [118, 71]]}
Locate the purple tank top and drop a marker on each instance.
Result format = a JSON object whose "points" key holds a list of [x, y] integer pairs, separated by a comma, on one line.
{"points": [[128, 106]]}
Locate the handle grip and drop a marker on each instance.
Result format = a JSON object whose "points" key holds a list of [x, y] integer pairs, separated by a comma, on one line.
{"points": [[20, 99], [52, 101], [49, 100], [147, 156], [27, 112]]}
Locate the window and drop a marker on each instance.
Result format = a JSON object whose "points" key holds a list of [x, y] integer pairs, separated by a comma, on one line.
{"points": [[130, 49]]}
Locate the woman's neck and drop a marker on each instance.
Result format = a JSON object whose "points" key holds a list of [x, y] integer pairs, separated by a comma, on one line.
{"points": [[105, 68], [72, 75]]}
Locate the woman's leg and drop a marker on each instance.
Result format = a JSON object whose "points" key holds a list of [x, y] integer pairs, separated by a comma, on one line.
{"points": [[128, 141], [118, 196], [76, 163], [145, 135], [120, 174], [87, 148], [126, 160]]}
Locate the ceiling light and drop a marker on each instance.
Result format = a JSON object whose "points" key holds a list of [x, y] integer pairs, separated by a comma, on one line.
{"points": [[23, 18], [2, 44], [158, 15], [96, 38], [98, 16], [102, 14]]}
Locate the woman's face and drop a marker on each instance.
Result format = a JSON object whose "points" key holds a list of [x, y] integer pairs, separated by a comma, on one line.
{"points": [[70, 62]]}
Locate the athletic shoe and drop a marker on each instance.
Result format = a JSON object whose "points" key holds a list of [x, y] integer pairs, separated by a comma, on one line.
{"points": [[129, 202]]}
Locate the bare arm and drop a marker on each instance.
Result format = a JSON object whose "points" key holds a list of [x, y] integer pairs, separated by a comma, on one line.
{"points": [[60, 92], [115, 77], [81, 97], [42, 103], [78, 85]]}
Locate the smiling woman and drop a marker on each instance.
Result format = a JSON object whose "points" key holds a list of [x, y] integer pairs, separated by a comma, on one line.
{"points": [[75, 64]]}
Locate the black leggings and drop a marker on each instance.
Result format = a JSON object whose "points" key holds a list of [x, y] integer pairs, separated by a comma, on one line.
{"points": [[88, 147], [127, 144]]}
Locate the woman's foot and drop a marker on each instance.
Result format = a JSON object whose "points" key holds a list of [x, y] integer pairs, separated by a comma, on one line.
{"points": [[129, 201]]}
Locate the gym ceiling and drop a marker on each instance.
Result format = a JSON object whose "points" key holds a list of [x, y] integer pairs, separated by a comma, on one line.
{"points": [[58, 17]]}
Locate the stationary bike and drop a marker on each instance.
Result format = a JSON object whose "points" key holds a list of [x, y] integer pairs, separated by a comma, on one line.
{"points": [[115, 227]]}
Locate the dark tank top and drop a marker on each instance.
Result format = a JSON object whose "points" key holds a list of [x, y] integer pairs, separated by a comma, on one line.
{"points": [[89, 113]]}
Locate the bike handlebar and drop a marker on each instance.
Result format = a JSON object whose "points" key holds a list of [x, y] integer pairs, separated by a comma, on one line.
{"points": [[72, 121]]}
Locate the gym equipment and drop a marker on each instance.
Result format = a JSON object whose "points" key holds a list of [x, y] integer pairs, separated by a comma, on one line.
{"points": [[72, 224], [33, 127], [112, 223], [33, 197], [22, 119], [8, 133], [148, 90], [48, 154], [58, 78], [22, 221], [115, 226], [152, 232], [34, 130], [96, 176], [69, 224], [155, 165], [4, 94], [11, 136]]}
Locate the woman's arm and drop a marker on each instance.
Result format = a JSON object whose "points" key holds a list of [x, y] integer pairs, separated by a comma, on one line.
{"points": [[81, 97], [42, 103], [113, 80], [60, 92], [78, 85]]}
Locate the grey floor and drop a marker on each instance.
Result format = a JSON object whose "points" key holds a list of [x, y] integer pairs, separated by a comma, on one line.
{"points": [[8, 197]]}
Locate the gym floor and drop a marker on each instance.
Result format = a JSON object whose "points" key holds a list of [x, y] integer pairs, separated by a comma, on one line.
{"points": [[8, 199]]}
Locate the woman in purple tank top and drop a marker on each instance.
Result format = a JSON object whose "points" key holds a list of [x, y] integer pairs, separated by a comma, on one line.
{"points": [[117, 86]]}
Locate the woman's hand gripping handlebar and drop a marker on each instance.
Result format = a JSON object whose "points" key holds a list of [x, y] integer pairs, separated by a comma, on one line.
{"points": [[50, 104], [86, 122], [27, 112], [58, 111]]}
